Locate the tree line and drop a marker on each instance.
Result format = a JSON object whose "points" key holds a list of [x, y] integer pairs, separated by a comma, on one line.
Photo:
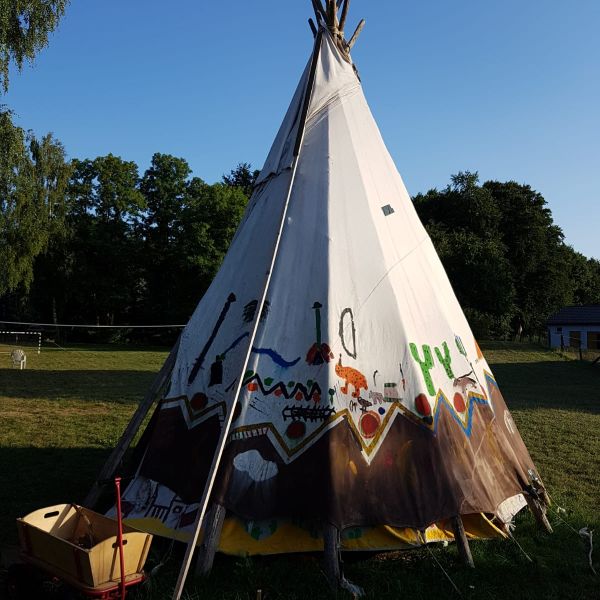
{"points": [[96, 241], [506, 258]]}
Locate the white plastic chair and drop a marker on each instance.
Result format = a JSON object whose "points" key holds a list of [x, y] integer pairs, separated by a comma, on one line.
{"points": [[19, 358]]}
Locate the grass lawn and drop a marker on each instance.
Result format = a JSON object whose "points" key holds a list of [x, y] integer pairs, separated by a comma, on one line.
{"points": [[60, 418]]}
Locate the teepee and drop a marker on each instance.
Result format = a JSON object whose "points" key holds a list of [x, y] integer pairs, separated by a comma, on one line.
{"points": [[328, 391]]}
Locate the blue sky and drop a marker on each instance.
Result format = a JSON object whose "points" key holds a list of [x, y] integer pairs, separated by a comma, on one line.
{"points": [[510, 89]]}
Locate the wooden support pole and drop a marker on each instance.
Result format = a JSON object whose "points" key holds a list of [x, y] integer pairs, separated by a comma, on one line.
{"points": [[344, 15], [333, 15], [356, 33], [313, 27], [210, 540], [319, 11], [331, 562], [112, 464], [226, 427], [331, 555], [460, 537], [538, 510]]}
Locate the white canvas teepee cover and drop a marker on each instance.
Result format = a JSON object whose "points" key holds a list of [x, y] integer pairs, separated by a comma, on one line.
{"points": [[366, 401]]}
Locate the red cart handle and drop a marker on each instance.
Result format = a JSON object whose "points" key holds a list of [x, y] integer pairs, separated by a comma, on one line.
{"points": [[120, 535]]}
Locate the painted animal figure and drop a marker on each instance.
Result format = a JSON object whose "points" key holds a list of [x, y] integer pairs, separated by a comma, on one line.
{"points": [[376, 397], [351, 377], [464, 383], [364, 404]]}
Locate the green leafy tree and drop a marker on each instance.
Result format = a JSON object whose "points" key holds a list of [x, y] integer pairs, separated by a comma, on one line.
{"points": [[164, 187], [24, 29], [33, 180], [243, 177], [210, 219], [504, 254], [91, 273], [536, 250]]}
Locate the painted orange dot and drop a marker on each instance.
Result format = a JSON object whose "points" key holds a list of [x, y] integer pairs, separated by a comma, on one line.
{"points": [[278, 392], [252, 387], [422, 405], [459, 403], [316, 397], [299, 396]]}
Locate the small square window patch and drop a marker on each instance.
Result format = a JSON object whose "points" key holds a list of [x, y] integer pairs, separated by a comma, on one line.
{"points": [[387, 210]]}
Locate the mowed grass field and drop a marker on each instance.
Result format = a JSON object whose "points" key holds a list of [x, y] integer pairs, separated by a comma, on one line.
{"points": [[60, 418]]}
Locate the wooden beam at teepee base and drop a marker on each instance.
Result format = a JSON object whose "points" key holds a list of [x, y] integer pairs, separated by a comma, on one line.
{"points": [[460, 537], [538, 510], [331, 562], [331, 555], [210, 540], [116, 456]]}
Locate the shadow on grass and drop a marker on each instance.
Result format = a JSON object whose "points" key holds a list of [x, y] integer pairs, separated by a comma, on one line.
{"points": [[559, 571], [32, 478], [567, 385], [92, 385]]}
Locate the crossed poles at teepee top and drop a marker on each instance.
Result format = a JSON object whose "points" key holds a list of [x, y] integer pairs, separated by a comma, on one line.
{"points": [[333, 16]]}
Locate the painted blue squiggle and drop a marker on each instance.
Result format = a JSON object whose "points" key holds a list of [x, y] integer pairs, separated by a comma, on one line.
{"points": [[274, 356]]}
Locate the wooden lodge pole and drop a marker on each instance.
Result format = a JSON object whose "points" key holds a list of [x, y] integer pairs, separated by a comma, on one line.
{"points": [[460, 537], [331, 555], [225, 429], [210, 541], [113, 461], [356, 33], [538, 510], [331, 563]]}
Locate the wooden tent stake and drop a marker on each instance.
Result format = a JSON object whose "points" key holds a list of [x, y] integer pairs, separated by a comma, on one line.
{"points": [[116, 456], [538, 510], [210, 540], [462, 543]]}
